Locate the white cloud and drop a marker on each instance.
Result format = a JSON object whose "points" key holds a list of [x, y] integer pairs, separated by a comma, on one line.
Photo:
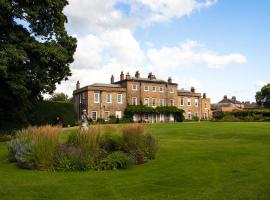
{"points": [[96, 16], [106, 43], [190, 53], [164, 10], [260, 84]]}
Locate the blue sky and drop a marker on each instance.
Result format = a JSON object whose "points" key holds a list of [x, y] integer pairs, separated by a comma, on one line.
{"points": [[221, 47]]}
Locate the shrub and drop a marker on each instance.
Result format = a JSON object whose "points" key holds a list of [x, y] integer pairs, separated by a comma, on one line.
{"points": [[71, 158], [138, 144], [20, 150], [116, 160], [34, 147]]}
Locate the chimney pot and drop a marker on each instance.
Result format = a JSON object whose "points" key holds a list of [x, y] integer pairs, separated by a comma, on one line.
{"points": [[112, 79], [169, 80], [204, 95], [192, 89], [122, 76], [127, 76], [137, 74], [77, 85]]}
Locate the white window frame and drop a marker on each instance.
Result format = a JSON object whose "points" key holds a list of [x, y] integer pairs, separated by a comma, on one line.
{"points": [[154, 90], [154, 99], [205, 115], [189, 102], [136, 87], [182, 101], [161, 100], [196, 102], [146, 86], [205, 105], [92, 115], [98, 97], [161, 89], [109, 97], [147, 101], [136, 101], [121, 98]]}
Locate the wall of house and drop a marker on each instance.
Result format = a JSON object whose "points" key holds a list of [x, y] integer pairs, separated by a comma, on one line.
{"points": [[191, 110], [206, 112], [104, 108], [141, 94]]}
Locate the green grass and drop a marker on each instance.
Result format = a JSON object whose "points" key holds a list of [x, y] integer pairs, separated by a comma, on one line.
{"points": [[195, 161]]}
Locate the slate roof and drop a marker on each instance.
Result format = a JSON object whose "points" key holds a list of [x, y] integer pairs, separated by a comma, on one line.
{"points": [[230, 101], [187, 92], [106, 85]]}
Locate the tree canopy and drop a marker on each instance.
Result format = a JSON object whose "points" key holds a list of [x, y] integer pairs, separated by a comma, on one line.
{"points": [[35, 54], [263, 96], [61, 97]]}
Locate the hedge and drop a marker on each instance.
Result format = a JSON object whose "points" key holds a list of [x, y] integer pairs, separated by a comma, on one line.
{"points": [[45, 112], [141, 109], [243, 115]]}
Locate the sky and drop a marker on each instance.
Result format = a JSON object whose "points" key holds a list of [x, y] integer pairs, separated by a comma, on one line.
{"points": [[221, 47]]}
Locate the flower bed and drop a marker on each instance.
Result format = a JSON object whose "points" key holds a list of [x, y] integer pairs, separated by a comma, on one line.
{"points": [[99, 148]]}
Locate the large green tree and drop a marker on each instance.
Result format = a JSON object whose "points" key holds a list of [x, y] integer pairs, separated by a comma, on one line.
{"points": [[263, 96], [35, 54]]}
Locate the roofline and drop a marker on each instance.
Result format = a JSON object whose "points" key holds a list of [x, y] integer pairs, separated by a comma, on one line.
{"points": [[147, 81], [100, 88]]}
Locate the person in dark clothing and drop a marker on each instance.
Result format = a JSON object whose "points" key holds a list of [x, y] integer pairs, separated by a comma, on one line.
{"points": [[58, 121]]}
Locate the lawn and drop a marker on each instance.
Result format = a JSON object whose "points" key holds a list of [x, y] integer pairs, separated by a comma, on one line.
{"points": [[195, 161]]}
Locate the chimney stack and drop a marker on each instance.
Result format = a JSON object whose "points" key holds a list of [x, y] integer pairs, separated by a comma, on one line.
{"points": [[127, 76], [77, 85], [112, 79], [234, 98], [122, 76], [225, 97], [204, 95], [137, 74], [192, 89], [151, 76], [169, 80]]}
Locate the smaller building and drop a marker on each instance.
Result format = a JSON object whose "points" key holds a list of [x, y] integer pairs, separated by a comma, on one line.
{"points": [[227, 104]]}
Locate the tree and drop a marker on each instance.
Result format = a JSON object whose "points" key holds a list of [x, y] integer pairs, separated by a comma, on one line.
{"points": [[59, 97], [263, 96], [35, 54]]}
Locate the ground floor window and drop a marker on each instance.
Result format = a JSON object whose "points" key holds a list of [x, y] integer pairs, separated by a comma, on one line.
{"points": [[107, 115], [189, 116], [94, 116], [145, 117]]}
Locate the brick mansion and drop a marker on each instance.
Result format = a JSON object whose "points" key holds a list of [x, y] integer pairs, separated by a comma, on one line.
{"points": [[101, 100]]}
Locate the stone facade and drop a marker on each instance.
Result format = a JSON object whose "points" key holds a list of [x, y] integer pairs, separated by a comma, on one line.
{"points": [[102, 100]]}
